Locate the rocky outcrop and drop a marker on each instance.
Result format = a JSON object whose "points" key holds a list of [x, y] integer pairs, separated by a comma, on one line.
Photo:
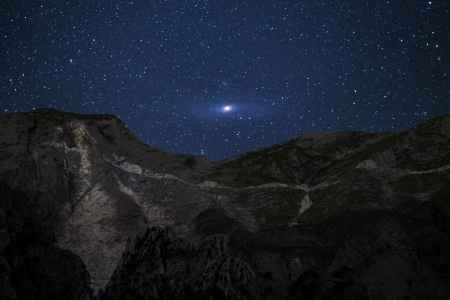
{"points": [[383, 260], [31, 266], [96, 183], [349, 215], [160, 265]]}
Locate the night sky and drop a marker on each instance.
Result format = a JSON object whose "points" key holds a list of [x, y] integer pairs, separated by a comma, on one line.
{"points": [[221, 78]]}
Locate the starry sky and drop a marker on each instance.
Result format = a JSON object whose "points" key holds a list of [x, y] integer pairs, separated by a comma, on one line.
{"points": [[221, 78]]}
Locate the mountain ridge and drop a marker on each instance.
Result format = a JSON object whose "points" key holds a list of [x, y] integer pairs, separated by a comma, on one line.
{"points": [[320, 215]]}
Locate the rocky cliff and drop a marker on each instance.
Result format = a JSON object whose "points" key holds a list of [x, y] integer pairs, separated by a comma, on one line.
{"points": [[346, 215]]}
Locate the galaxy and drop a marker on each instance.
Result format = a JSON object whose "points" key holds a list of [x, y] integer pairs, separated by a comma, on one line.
{"points": [[221, 78], [228, 111]]}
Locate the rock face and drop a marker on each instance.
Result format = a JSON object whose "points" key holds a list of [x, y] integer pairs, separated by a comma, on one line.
{"points": [[346, 215], [96, 183], [31, 266], [159, 265]]}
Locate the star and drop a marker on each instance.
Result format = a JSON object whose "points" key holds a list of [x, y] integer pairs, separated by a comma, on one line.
{"points": [[199, 72]]}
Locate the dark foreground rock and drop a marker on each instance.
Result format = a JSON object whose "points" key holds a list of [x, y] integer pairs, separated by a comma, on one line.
{"points": [[31, 266], [159, 265]]}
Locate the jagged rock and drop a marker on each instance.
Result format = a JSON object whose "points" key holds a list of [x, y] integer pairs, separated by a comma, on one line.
{"points": [[31, 266], [159, 265]]}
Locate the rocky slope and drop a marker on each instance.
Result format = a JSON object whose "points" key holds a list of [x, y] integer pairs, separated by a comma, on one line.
{"points": [[31, 266], [347, 215], [159, 265]]}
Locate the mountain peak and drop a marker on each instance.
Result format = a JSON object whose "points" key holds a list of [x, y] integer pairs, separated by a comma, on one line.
{"points": [[49, 114]]}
